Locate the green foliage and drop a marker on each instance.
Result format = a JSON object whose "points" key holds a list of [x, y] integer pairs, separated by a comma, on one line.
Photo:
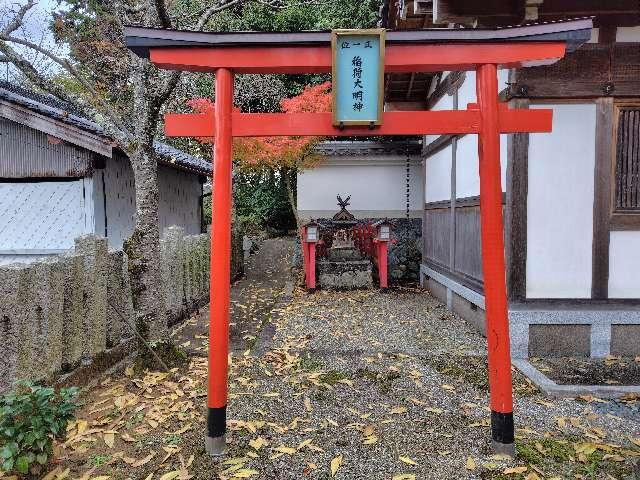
{"points": [[260, 198], [31, 418]]}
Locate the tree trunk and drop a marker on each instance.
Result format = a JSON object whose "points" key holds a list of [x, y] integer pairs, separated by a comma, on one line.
{"points": [[286, 174], [143, 249]]}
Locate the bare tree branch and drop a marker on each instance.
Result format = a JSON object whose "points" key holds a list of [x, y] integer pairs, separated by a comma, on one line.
{"points": [[163, 15], [16, 23], [33, 75], [212, 10]]}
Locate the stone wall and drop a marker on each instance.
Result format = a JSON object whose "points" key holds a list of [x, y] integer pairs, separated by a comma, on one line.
{"points": [[76, 309]]}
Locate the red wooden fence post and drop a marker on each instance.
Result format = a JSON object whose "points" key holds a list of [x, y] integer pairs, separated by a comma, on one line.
{"points": [[382, 263], [311, 283], [220, 281], [499, 356], [305, 253]]}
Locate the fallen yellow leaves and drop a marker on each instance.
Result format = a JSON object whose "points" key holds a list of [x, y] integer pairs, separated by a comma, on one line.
{"points": [[470, 464], [258, 443], [404, 476], [514, 470], [336, 463], [407, 460], [109, 438]]}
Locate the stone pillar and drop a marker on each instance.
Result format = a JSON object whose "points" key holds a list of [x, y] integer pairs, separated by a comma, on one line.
{"points": [[73, 310], [172, 270], [120, 315], [94, 253], [47, 318], [11, 320]]}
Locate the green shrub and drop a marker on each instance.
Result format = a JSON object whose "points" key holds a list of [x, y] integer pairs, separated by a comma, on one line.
{"points": [[31, 418]]}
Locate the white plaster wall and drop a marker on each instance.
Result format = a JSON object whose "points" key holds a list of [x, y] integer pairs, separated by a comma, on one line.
{"points": [[445, 103], [43, 215], [179, 200], [98, 202], [560, 204], [438, 176], [624, 265], [120, 200], [467, 172], [628, 34], [377, 188]]}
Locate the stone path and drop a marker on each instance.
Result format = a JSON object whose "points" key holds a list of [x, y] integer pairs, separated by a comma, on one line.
{"points": [[268, 274], [353, 385]]}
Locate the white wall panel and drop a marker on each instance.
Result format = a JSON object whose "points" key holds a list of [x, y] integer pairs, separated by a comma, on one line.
{"points": [[179, 200], [624, 265], [628, 34], [467, 173], [376, 189], [445, 103], [438, 176], [560, 204], [121, 200], [41, 215]]}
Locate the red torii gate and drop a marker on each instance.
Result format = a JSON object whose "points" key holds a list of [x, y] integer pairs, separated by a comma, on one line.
{"points": [[309, 52]]}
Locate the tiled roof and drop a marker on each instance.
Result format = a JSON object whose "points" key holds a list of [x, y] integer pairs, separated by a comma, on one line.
{"points": [[71, 114]]}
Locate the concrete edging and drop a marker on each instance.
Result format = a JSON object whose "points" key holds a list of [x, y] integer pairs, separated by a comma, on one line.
{"points": [[552, 389]]}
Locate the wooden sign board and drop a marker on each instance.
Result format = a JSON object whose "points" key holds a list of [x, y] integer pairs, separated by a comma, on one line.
{"points": [[358, 76]]}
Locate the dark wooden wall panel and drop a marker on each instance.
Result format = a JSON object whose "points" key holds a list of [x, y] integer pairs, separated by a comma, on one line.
{"points": [[592, 71], [515, 219], [468, 259], [602, 199], [436, 235]]}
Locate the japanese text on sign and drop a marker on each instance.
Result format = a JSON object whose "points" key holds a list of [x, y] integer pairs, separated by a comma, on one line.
{"points": [[358, 65]]}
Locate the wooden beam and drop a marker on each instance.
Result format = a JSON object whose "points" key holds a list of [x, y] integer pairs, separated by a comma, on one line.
{"points": [[398, 58], [394, 123], [625, 221], [602, 199], [516, 211], [595, 70], [438, 144], [448, 85]]}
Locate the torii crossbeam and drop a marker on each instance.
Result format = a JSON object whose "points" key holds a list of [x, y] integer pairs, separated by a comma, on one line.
{"points": [[482, 50]]}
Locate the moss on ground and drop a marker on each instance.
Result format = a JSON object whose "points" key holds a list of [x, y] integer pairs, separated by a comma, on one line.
{"points": [[309, 363], [468, 369], [332, 377], [553, 457], [473, 370], [383, 381], [170, 354]]}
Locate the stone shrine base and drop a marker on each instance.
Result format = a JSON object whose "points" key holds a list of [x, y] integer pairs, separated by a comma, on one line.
{"points": [[345, 274]]}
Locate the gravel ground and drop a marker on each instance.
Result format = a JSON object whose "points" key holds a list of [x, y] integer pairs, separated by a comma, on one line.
{"points": [[382, 346], [353, 385]]}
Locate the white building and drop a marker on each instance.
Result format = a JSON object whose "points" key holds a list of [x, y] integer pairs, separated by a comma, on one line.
{"points": [[61, 177]]}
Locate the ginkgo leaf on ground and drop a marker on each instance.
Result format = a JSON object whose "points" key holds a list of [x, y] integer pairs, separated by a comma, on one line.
{"points": [[109, 439], [471, 464], [170, 475], [245, 473], [514, 470], [407, 460], [404, 476], [335, 465]]}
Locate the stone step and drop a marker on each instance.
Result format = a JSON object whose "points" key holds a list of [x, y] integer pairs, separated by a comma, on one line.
{"points": [[345, 274]]}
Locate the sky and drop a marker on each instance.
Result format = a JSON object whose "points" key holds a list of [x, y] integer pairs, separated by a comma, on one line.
{"points": [[35, 29]]}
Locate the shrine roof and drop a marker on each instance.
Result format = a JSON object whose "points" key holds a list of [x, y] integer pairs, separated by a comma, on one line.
{"points": [[574, 32]]}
